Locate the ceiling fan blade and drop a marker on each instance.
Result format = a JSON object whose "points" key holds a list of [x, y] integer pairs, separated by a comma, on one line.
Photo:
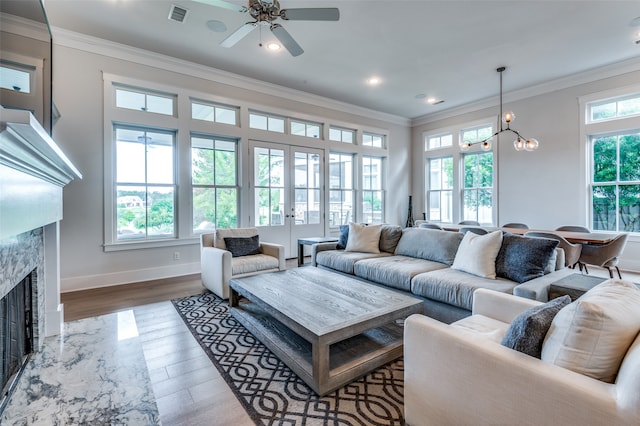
{"points": [[238, 34], [223, 4], [287, 41], [311, 14]]}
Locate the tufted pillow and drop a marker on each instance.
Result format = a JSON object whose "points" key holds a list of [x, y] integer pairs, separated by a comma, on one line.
{"points": [[521, 259], [477, 254], [591, 336], [528, 330], [364, 239], [344, 236], [242, 246]]}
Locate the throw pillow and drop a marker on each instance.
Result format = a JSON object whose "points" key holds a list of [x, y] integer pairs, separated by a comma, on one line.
{"points": [[591, 336], [363, 239], [521, 259], [242, 246], [477, 254], [429, 244], [528, 330], [389, 237], [344, 236]]}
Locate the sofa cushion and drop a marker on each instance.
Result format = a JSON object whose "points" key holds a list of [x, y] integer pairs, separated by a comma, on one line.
{"points": [[364, 239], [522, 259], [250, 264], [344, 236], [455, 287], [477, 254], [429, 244], [389, 237], [528, 330], [242, 246], [591, 336], [343, 261], [394, 271]]}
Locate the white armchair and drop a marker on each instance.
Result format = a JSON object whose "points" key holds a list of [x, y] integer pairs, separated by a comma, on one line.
{"points": [[460, 374], [217, 266]]}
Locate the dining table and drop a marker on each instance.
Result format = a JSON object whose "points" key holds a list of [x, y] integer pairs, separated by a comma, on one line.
{"points": [[571, 236]]}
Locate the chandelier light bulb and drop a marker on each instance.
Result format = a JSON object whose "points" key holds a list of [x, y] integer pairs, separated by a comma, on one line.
{"points": [[508, 117], [486, 146], [518, 144], [465, 147], [531, 144]]}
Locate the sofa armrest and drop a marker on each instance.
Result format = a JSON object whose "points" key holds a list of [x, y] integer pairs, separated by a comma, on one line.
{"points": [[215, 270], [538, 288], [453, 377], [275, 250], [500, 306], [318, 247]]}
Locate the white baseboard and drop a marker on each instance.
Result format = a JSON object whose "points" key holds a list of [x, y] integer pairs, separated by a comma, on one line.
{"points": [[125, 277]]}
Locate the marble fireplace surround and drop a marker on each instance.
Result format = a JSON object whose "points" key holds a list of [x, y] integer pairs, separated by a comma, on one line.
{"points": [[33, 172]]}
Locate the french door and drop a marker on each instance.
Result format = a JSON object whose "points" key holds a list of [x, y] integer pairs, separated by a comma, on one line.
{"points": [[288, 197]]}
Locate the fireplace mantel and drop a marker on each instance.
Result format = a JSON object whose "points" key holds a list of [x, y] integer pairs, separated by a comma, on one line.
{"points": [[33, 171]]}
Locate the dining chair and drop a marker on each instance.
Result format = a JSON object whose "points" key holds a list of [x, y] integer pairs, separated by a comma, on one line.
{"points": [[573, 228], [515, 225], [469, 222], [475, 230], [604, 255], [571, 251], [430, 226]]}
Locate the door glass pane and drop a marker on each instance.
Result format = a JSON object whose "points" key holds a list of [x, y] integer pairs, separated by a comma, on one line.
{"points": [[276, 169], [262, 206], [301, 209], [277, 207], [301, 167], [314, 171], [314, 206]]}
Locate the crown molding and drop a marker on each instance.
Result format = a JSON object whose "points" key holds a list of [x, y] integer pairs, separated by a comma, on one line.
{"points": [[24, 27], [74, 40], [607, 71]]}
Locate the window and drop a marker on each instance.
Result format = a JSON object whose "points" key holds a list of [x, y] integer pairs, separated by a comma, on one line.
{"points": [[307, 188], [477, 193], [341, 135], [145, 101], [214, 113], [440, 189], [144, 185], [476, 134], [440, 141], [370, 139], [310, 130], [340, 189], [615, 182], [372, 192], [214, 183], [16, 77], [617, 108], [271, 123]]}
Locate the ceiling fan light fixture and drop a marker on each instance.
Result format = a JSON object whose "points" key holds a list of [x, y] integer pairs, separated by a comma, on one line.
{"points": [[274, 47]]}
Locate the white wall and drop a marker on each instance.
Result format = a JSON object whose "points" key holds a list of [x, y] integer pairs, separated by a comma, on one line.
{"points": [[546, 188], [78, 94]]}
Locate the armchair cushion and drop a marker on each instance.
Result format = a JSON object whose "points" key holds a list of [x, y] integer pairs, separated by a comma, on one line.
{"points": [[528, 330], [243, 246]]}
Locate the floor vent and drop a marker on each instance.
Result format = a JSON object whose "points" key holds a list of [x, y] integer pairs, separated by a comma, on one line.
{"points": [[177, 13]]}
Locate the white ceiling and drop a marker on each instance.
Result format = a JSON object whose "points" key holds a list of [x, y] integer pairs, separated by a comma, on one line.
{"points": [[446, 49]]}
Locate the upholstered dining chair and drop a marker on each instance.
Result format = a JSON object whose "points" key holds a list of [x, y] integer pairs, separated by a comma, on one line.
{"points": [[604, 255], [573, 228], [515, 225], [475, 230], [430, 226], [571, 251], [469, 222]]}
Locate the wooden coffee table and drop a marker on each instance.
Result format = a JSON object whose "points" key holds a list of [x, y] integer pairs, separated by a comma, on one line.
{"points": [[328, 328]]}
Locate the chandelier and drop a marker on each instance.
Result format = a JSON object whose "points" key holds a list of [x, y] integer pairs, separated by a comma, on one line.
{"points": [[521, 143]]}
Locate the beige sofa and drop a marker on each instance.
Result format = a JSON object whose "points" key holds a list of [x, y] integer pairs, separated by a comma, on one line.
{"points": [[460, 374], [218, 266]]}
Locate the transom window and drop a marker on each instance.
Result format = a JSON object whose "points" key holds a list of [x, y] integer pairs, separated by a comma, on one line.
{"points": [[145, 101], [439, 141], [214, 113], [340, 189], [268, 122], [308, 129], [341, 135], [616, 108], [476, 134], [372, 139]]}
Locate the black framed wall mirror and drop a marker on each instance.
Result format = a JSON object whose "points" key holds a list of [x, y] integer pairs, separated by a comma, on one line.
{"points": [[25, 59]]}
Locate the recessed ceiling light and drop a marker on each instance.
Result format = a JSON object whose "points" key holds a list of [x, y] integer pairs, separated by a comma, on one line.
{"points": [[373, 81], [217, 26], [434, 101], [273, 46]]}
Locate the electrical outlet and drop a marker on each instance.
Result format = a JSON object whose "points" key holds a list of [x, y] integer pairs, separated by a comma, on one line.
{"points": [[176, 255]]}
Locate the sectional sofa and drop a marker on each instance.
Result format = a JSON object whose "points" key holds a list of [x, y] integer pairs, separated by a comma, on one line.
{"points": [[428, 264]]}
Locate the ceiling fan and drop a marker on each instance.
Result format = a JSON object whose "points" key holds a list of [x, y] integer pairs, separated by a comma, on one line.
{"points": [[265, 12]]}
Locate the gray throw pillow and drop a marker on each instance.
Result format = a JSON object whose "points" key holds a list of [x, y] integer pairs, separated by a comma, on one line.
{"points": [[528, 330], [243, 246], [344, 236], [429, 244], [389, 237], [521, 259]]}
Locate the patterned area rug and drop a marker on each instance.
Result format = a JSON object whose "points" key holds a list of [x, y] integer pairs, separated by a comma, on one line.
{"points": [[272, 393]]}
